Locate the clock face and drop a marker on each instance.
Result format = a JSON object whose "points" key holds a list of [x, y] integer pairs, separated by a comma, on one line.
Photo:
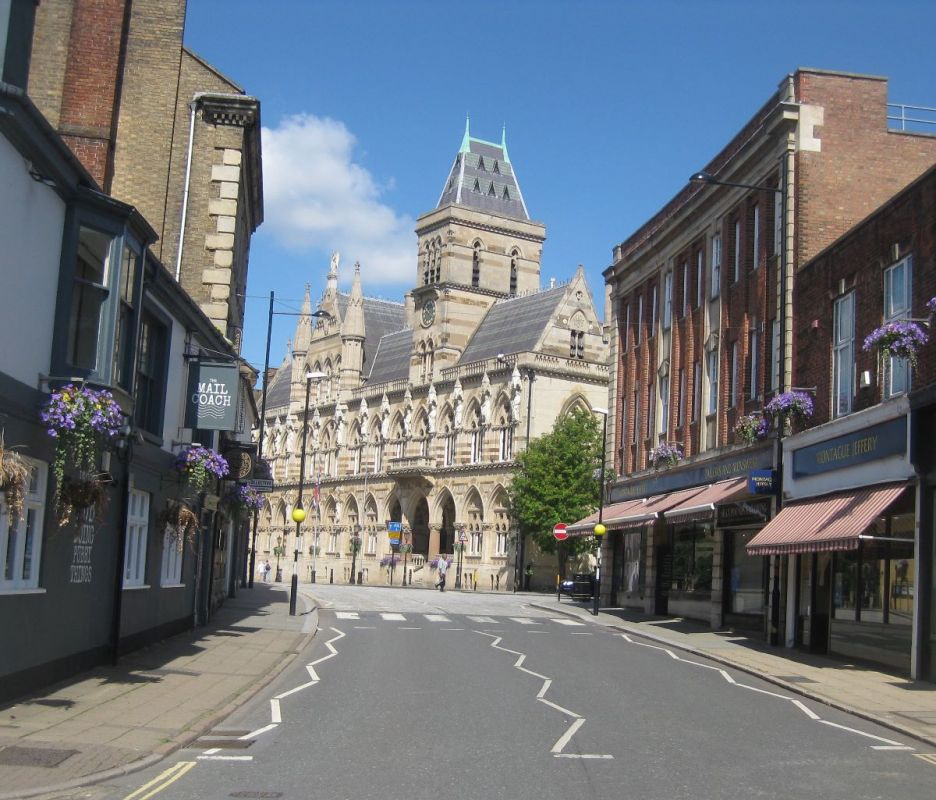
{"points": [[428, 313]]}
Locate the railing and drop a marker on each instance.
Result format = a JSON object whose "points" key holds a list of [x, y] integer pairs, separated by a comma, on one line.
{"points": [[921, 118], [409, 464]]}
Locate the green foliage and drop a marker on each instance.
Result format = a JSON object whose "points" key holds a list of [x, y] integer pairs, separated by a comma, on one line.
{"points": [[554, 481]]}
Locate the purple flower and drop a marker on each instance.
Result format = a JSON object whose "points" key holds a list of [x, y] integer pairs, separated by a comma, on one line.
{"points": [[797, 404], [664, 454], [898, 339], [752, 427]]}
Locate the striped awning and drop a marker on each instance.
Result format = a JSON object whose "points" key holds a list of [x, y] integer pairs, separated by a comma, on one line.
{"points": [[647, 512], [702, 505], [831, 522], [610, 513]]}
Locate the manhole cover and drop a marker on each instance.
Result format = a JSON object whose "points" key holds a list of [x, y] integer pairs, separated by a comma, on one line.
{"points": [[15, 756], [255, 794], [794, 678]]}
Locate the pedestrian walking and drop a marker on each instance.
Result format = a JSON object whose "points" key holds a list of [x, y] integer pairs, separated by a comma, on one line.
{"points": [[527, 576], [261, 570], [267, 569], [443, 565]]}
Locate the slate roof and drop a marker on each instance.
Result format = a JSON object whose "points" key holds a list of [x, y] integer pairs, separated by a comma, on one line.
{"points": [[482, 177], [391, 362], [513, 325], [381, 317]]}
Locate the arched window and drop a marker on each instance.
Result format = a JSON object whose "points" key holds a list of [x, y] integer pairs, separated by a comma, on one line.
{"points": [[476, 266], [505, 450], [514, 258], [477, 436]]}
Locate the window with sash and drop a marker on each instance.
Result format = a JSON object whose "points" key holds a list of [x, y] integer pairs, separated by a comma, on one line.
{"points": [[21, 539]]}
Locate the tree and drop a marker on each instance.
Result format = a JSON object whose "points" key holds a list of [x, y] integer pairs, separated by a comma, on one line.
{"points": [[555, 481]]}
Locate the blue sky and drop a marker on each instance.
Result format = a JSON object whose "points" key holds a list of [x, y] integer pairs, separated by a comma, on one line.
{"points": [[608, 107]]}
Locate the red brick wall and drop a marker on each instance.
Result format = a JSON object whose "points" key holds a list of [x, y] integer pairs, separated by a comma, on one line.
{"points": [[857, 261]]}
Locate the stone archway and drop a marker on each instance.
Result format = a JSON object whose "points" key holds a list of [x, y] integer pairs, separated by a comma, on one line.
{"points": [[419, 525], [447, 531]]}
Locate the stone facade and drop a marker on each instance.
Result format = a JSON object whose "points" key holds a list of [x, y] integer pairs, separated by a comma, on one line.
{"points": [[425, 404]]}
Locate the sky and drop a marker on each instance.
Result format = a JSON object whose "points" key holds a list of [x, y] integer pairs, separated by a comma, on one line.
{"points": [[608, 107]]}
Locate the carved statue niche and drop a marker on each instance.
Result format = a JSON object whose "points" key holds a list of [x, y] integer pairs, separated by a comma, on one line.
{"points": [[515, 391], [432, 411], [458, 398]]}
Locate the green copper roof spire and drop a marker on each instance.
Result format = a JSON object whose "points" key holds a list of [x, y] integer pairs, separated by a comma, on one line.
{"points": [[504, 142], [466, 141]]}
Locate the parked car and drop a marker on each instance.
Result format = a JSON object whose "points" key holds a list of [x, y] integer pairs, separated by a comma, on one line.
{"points": [[581, 585]]}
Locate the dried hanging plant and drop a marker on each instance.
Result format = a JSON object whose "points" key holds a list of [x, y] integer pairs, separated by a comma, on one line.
{"points": [[76, 496], [179, 520], [14, 478]]}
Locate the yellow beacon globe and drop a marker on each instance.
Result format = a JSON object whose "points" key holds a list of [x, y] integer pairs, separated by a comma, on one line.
{"points": [[298, 515], [600, 530]]}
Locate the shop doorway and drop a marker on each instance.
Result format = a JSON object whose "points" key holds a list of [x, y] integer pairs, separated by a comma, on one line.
{"points": [[664, 579]]}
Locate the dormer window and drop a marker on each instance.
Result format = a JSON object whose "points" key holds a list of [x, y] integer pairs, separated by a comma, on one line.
{"points": [[496, 169], [477, 187], [506, 194], [481, 164], [491, 192]]}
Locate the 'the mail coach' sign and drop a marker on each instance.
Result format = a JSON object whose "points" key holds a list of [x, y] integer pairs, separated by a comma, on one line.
{"points": [[212, 397]]}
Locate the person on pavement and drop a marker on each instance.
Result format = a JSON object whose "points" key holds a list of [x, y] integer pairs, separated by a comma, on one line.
{"points": [[267, 569], [443, 565]]}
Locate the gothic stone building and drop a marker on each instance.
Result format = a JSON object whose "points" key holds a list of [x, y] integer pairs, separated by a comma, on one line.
{"points": [[425, 403]]}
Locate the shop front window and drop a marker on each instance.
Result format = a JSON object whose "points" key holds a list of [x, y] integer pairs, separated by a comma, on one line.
{"points": [[692, 559], [746, 576]]}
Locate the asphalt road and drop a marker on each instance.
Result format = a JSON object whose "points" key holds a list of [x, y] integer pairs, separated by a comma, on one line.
{"points": [[408, 693]]}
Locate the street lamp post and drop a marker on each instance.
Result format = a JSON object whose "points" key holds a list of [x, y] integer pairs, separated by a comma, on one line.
{"points": [[355, 546], [459, 548], [600, 529], [298, 513], [263, 401], [785, 288]]}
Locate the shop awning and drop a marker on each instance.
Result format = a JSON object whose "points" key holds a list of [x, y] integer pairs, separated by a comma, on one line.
{"points": [[610, 514], [648, 511], [820, 524], [702, 504]]}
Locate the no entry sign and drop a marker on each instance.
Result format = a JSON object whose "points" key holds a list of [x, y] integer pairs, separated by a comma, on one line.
{"points": [[560, 532]]}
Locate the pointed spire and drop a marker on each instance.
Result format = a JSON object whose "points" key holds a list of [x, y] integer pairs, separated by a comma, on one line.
{"points": [[504, 142], [353, 323], [466, 140], [304, 325]]}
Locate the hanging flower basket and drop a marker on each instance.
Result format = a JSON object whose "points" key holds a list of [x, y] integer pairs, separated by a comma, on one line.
{"points": [[434, 564], [354, 543], [198, 465], [179, 521], [75, 496], [897, 339], [664, 456], [406, 548], [389, 561], [315, 550], [242, 499], [931, 308], [82, 421], [796, 406], [14, 479], [752, 428]]}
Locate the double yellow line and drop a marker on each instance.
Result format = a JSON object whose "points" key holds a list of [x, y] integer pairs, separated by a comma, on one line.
{"points": [[160, 782]]}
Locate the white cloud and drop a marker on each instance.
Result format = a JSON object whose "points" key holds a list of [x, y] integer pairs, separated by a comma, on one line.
{"points": [[317, 199]]}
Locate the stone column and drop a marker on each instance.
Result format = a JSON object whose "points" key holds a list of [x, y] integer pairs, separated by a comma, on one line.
{"points": [[434, 531]]}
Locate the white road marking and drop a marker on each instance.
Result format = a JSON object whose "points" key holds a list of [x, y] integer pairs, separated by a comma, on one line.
{"points": [[258, 732], [564, 711], [393, 617], [451, 629], [566, 621], [211, 751], [275, 715], [365, 628], [577, 755], [225, 758], [525, 621], [347, 615], [889, 743], [564, 739], [409, 629], [580, 633], [437, 618], [297, 689], [484, 619], [861, 733]]}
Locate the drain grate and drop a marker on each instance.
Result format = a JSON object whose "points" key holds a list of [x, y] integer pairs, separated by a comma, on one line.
{"points": [[255, 794], [47, 757], [223, 743]]}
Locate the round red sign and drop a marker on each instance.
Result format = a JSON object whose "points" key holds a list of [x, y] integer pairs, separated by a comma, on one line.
{"points": [[560, 532]]}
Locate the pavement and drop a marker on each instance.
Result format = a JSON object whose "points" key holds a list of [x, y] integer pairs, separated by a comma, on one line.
{"points": [[887, 698], [113, 721]]}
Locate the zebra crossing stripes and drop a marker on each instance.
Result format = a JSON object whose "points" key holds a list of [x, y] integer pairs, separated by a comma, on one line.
{"points": [[488, 620], [394, 616]]}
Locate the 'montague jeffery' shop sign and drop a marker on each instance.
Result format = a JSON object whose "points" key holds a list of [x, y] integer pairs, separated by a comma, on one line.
{"points": [[868, 444], [704, 473], [211, 403]]}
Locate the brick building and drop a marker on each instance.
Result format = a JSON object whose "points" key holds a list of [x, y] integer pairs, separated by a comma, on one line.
{"points": [[704, 322], [858, 524], [161, 129]]}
